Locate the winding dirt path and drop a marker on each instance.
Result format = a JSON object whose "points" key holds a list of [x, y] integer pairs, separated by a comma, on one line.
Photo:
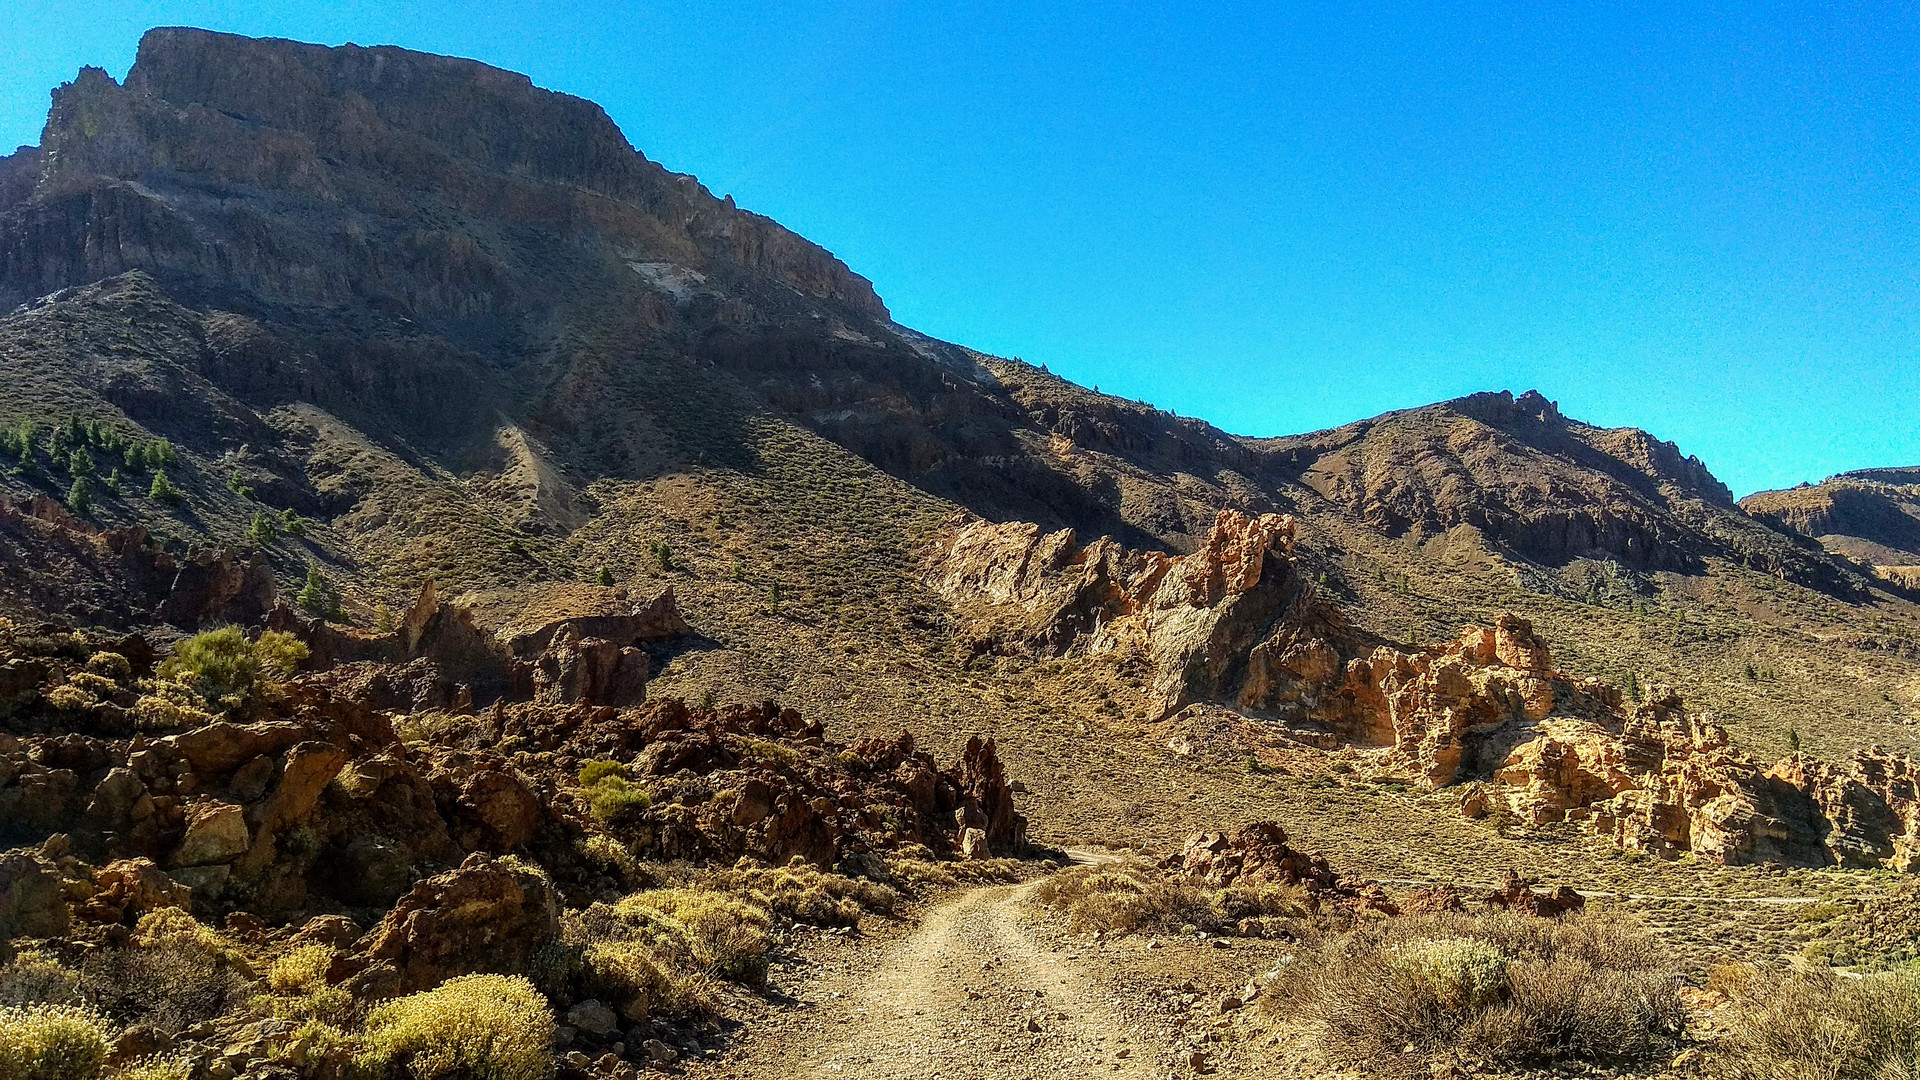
{"points": [[973, 992]]}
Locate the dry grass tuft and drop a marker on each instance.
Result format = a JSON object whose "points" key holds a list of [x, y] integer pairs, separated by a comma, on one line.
{"points": [[804, 894], [1132, 896], [1497, 990], [1818, 1025]]}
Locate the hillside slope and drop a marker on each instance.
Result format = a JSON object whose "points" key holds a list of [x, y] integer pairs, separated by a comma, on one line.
{"points": [[459, 330]]}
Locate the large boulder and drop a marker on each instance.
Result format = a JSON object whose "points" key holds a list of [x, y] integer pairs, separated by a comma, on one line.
{"points": [[488, 915], [33, 902]]}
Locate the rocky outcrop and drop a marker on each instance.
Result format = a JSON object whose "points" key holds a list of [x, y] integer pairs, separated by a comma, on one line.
{"points": [[310, 801], [487, 915], [1235, 623], [33, 902], [1664, 781], [1196, 616], [60, 566], [563, 645], [1258, 854]]}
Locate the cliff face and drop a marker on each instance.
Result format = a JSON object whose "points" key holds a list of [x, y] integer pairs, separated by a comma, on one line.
{"points": [[1872, 515], [218, 146]]}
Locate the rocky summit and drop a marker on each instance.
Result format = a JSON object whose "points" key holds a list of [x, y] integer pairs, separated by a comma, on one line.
{"points": [[457, 574]]}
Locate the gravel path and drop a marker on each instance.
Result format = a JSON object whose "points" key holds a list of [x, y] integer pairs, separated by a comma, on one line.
{"points": [[974, 992]]}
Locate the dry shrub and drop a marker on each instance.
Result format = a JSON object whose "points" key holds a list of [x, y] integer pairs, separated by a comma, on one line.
{"points": [[1815, 1024], [915, 873], [298, 980], [475, 1027], [662, 950], [1499, 990], [174, 974], [1132, 895], [52, 1042], [723, 935], [34, 978], [807, 895], [157, 1067]]}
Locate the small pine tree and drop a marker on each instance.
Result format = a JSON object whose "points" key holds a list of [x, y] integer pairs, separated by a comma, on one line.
{"points": [[604, 577], [161, 490], [1793, 739], [317, 597], [773, 596], [662, 556], [291, 523], [113, 481], [80, 463], [79, 498], [1633, 687], [383, 620], [262, 531], [1752, 675], [239, 487]]}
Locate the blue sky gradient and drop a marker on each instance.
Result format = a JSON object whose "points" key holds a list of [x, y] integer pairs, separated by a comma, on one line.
{"points": [[1699, 220]]}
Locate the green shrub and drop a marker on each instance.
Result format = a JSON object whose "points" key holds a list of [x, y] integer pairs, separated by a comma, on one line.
{"points": [[318, 597], [1818, 1025], [225, 668], [610, 795], [51, 1042], [475, 1027], [161, 490], [1499, 990]]}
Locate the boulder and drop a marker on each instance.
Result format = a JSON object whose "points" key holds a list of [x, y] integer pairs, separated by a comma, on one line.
{"points": [[216, 833], [488, 915], [129, 888], [33, 902]]}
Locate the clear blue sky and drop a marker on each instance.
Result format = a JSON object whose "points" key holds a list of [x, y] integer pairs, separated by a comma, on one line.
{"points": [[1697, 220]]}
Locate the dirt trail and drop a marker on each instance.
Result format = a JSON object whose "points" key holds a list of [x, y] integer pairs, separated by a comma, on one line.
{"points": [[974, 992]]}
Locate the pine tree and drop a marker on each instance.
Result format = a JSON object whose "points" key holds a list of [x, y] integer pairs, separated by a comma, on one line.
{"points": [[1633, 687], [291, 523], [317, 597], [161, 490], [79, 498], [113, 481], [1793, 739], [262, 532], [604, 577]]}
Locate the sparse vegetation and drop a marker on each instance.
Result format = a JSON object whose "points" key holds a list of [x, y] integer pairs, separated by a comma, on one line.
{"points": [[226, 669], [475, 1027], [1497, 991], [1814, 1024], [1133, 896]]}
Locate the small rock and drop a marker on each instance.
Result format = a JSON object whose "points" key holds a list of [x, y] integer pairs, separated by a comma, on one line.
{"points": [[1230, 1003], [1154, 943], [593, 1018], [1033, 1024], [578, 1060], [658, 1052]]}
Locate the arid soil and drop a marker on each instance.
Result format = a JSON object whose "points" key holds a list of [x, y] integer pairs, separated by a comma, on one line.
{"points": [[986, 986]]}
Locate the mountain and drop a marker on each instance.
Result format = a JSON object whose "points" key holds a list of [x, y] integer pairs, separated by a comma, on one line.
{"points": [[436, 540], [1871, 516], [399, 318]]}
